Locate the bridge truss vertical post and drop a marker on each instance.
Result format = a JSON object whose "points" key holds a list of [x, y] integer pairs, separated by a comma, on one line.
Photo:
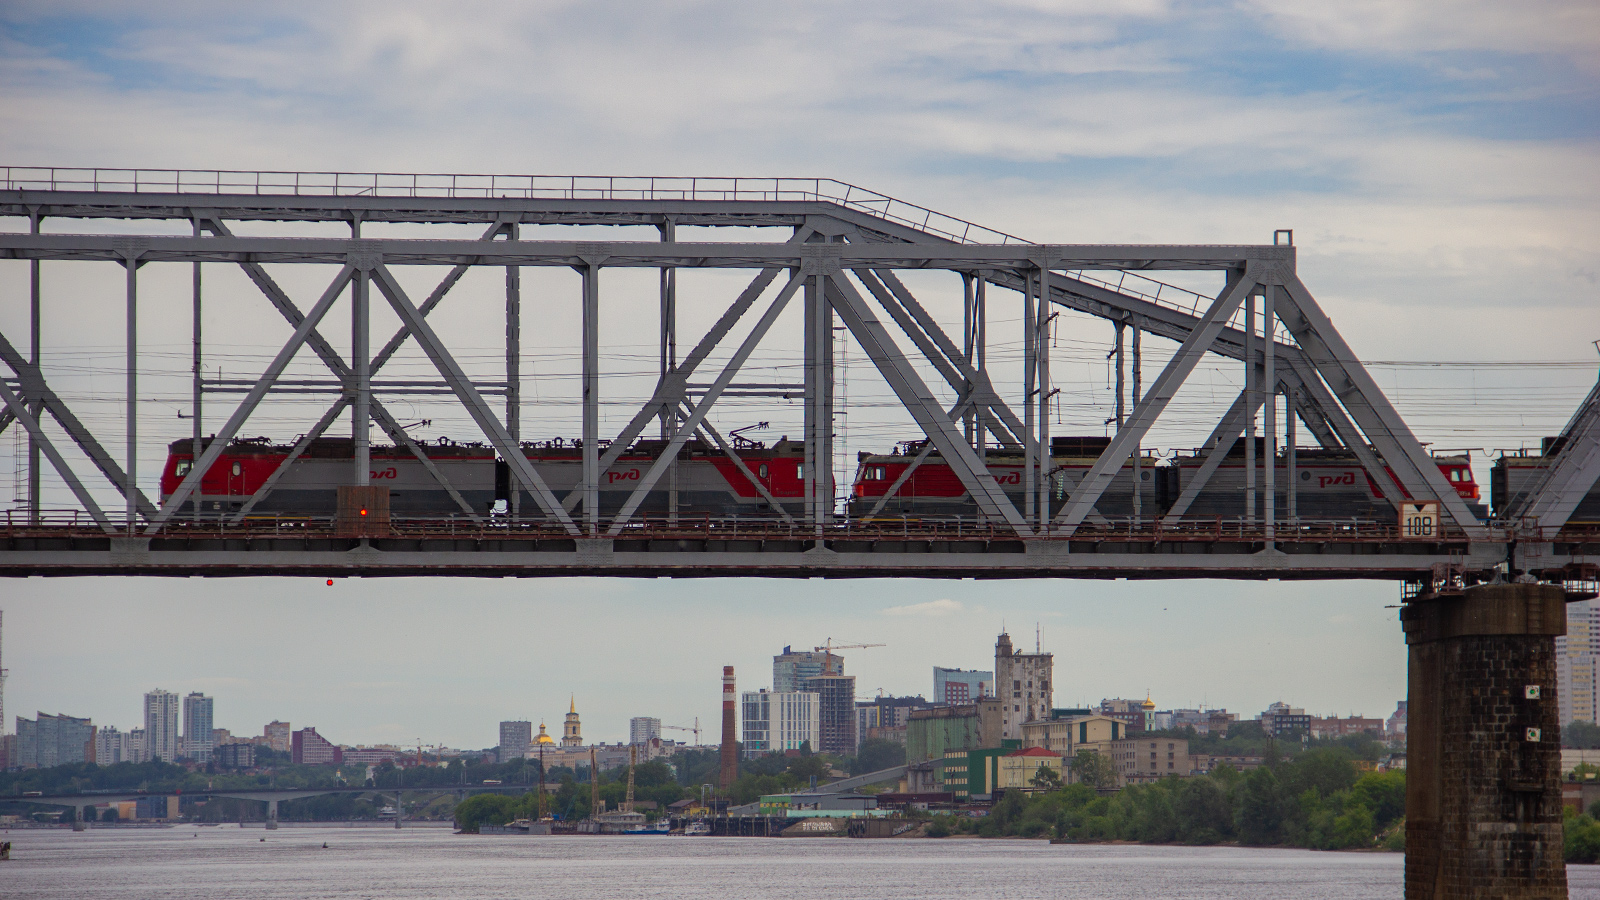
{"points": [[1269, 415], [669, 359], [591, 399], [514, 369], [1291, 401], [818, 324], [1252, 401], [980, 363], [35, 485], [1041, 337], [361, 370], [968, 336], [131, 470], [1118, 348], [196, 363], [1138, 376], [1030, 373]]}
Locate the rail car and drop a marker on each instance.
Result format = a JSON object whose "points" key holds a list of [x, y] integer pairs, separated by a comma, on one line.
{"points": [[707, 481], [1517, 472], [1329, 484]]}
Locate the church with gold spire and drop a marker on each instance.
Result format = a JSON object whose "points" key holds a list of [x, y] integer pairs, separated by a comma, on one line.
{"points": [[571, 729]]}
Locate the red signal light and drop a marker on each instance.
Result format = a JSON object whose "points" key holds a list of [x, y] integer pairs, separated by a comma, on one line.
{"points": [[363, 512], [330, 582]]}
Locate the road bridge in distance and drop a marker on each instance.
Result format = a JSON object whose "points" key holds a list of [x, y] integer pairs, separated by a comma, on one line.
{"points": [[270, 796]]}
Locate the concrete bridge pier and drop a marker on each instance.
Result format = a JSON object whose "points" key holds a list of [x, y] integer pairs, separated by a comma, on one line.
{"points": [[1483, 779], [399, 808], [80, 822], [272, 815]]}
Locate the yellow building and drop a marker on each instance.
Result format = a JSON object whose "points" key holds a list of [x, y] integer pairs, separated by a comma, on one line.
{"points": [[1019, 768], [1067, 736]]}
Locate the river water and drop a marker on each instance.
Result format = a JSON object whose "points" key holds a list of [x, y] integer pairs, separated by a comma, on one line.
{"points": [[220, 863]]}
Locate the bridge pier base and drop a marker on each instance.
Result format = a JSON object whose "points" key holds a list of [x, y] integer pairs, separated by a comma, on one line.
{"points": [[1483, 779], [80, 822], [272, 815]]}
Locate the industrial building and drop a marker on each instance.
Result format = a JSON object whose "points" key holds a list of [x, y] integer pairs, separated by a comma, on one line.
{"points": [[931, 733], [1023, 683]]}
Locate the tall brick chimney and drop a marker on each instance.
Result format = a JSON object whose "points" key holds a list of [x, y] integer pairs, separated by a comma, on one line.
{"points": [[730, 728]]}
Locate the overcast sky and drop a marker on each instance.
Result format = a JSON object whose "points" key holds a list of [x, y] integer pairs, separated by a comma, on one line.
{"points": [[1436, 160]]}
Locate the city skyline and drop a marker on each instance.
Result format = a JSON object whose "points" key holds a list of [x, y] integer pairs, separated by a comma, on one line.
{"points": [[1111, 639]]}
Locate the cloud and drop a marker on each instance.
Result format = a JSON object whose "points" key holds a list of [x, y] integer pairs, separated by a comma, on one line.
{"points": [[932, 609]]}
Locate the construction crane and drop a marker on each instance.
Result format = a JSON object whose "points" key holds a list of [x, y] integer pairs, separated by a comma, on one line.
{"points": [[831, 646], [695, 729], [633, 760]]}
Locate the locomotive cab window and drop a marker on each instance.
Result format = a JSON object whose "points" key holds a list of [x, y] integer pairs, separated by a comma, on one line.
{"points": [[237, 470], [763, 470], [800, 471], [183, 467]]}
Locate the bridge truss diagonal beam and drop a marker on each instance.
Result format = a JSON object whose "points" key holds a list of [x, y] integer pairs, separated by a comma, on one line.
{"points": [[1418, 474], [18, 410], [342, 371], [914, 395], [1570, 476], [691, 424], [32, 387], [950, 362], [469, 396], [252, 399], [1098, 478], [672, 389]]}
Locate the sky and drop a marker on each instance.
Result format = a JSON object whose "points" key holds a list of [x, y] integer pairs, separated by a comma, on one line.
{"points": [[1436, 160]]}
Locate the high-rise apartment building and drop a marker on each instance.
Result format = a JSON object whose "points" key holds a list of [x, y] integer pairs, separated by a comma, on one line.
{"points": [[53, 741], [643, 729], [836, 712], [1023, 684], [161, 725], [957, 686], [775, 722], [197, 740], [790, 669], [1578, 664], [138, 747], [112, 746], [277, 736], [515, 739]]}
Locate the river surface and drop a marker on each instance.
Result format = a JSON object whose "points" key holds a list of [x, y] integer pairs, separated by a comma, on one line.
{"points": [[221, 863]]}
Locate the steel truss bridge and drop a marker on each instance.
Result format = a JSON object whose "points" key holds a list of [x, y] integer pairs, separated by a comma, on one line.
{"points": [[841, 265]]}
